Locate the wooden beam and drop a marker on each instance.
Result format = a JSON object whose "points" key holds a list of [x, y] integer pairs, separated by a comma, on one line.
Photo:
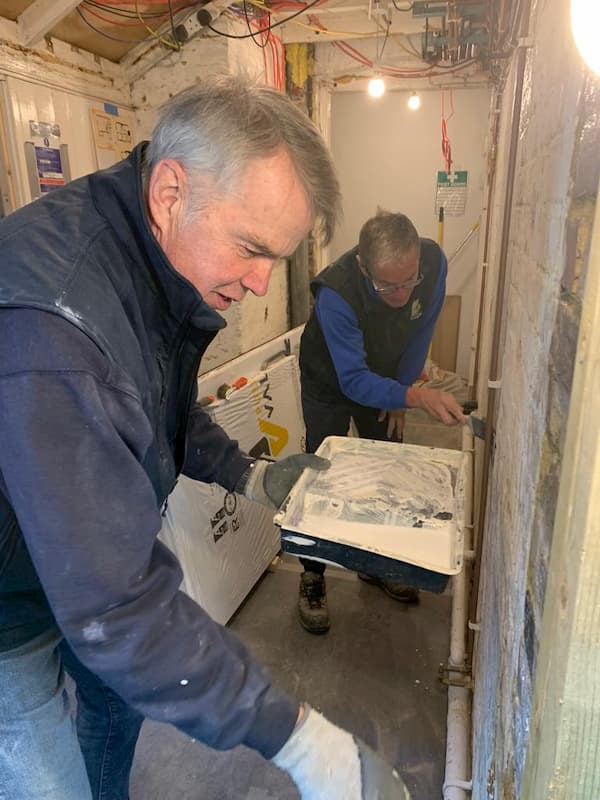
{"points": [[40, 17], [562, 756], [21, 61], [78, 72], [9, 30]]}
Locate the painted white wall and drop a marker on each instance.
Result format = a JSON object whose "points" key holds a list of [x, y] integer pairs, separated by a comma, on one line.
{"points": [[389, 156], [26, 99]]}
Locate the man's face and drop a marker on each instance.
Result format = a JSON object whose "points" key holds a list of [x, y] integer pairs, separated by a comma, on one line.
{"points": [[395, 280], [231, 245]]}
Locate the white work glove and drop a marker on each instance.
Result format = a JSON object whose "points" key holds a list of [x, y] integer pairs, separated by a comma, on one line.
{"points": [[395, 422], [328, 763], [270, 482], [441, 405]]}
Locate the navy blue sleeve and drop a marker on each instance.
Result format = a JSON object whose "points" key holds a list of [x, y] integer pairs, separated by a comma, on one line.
{"points": [[211, 456], [413, 358], [74, 435]]}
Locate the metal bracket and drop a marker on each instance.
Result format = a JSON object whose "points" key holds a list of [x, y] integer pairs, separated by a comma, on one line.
{"points": [[465, 682], [466, 785]]}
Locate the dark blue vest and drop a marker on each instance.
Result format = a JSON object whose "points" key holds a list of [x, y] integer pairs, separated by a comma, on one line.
{"points": [[86, 252], [386, 331]]}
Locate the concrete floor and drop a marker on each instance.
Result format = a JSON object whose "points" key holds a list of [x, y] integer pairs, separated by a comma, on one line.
{"points": [[375, 673]]}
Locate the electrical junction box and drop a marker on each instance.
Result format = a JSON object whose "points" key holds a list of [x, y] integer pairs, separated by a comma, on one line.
{"points": [[390, 510]]}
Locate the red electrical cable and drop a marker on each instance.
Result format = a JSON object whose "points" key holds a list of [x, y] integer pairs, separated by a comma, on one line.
{"points": [[396, 72], [274, 63], [446, 146]]}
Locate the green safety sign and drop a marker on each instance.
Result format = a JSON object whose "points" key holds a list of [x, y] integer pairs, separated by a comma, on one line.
{"points": [[451, 192]]}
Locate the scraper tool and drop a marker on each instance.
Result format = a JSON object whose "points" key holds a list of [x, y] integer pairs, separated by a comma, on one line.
{"points": [[476, 425]]}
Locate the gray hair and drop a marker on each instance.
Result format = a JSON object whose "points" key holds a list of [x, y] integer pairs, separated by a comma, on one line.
{"points": [[214, 129], [386, 237]]}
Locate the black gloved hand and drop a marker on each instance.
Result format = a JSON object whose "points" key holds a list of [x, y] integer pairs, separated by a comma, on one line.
{"points": [[270, 483]]}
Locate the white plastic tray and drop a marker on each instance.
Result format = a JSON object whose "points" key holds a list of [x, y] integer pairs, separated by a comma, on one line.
{"points": [[400, 501]]}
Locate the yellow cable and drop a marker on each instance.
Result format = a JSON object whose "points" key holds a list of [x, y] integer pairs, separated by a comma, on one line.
{"points": [[296, 55], [173, 45], [332, 33]]}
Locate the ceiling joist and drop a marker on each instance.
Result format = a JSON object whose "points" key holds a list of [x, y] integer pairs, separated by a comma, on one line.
{"points": [[40, 17]]}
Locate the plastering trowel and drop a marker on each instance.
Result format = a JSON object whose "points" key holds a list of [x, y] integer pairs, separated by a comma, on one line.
{"points": [[476, 425]]}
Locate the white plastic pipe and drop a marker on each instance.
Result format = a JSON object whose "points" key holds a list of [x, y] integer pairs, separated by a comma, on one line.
{"points": [[457, 784]]}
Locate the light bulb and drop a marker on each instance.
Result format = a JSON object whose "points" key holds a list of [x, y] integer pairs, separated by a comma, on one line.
{"points": [[414, 101], [585, 20], [376, 87]]}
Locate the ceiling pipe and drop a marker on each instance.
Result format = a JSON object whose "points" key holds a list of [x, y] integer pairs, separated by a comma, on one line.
{"points": [[474, 382]]}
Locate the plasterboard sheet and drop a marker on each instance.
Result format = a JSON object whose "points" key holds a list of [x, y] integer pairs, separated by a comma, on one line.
{"points": [[265, 416], [250, 363], [223, 542], [400, 501]]}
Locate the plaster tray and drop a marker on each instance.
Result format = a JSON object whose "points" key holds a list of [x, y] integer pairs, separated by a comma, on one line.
{"points": [[399, 501]]}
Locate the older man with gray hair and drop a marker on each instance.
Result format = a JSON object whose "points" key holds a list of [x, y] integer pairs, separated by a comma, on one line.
{"points": [[361, 351], [108, 301]]}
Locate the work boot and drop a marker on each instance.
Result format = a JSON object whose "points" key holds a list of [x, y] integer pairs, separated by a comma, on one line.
{"points": [[312, 603], [395, 589]]}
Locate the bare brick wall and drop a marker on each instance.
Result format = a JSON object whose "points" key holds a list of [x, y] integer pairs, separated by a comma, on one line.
{"points": [[554, 199]]}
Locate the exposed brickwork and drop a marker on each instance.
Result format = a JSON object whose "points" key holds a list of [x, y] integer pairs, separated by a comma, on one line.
{"points": [[553, 204]]}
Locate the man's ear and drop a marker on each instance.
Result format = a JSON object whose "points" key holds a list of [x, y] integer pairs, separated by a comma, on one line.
{"points": [[166, 190]]}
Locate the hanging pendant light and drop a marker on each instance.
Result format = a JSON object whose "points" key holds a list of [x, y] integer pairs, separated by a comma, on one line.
{"points": [[414, 101], [376, 87]]}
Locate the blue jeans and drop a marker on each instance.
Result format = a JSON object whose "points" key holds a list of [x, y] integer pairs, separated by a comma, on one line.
{"points": [[43, 754]]}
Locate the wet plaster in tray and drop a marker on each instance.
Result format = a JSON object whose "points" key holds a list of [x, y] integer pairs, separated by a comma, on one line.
{"points": [[401, 501]]}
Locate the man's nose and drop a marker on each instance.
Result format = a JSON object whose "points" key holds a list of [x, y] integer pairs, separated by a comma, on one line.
{"points": [[402, 296], [257, 279]]}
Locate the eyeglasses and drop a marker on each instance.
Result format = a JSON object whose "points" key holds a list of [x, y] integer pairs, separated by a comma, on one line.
{"points": [[388, 288]]}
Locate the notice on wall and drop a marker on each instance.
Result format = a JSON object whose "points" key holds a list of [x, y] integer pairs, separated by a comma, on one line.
{"points": [[112, 129], [46, 158], [49, 168], [451, 192]]}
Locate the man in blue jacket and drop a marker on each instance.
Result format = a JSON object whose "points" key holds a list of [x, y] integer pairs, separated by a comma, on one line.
{"points": [[108, 299], [363, 348]]}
